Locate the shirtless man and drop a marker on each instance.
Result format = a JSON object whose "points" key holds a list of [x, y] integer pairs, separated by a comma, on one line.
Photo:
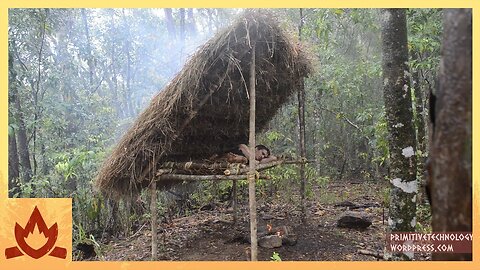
{"points": [[241, 154]]}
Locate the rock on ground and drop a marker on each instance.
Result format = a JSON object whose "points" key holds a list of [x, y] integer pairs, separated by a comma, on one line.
{"points": [[270, 241], [354, 220]]}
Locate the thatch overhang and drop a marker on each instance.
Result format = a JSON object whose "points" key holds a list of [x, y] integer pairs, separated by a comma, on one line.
{"points": [[204, 110]]}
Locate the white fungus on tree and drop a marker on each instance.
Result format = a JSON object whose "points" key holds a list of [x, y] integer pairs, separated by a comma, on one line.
{"points": [[407, 187], [408, 152]]}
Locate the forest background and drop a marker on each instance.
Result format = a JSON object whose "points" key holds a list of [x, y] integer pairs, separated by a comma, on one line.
{"points": [[79, 77]]}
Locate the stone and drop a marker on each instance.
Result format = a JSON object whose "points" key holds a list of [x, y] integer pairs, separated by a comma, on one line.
{"points": [[270, 241], [354, 220], [289, 240]]}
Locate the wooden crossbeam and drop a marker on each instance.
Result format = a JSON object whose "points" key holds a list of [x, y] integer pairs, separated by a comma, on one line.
{"points": [[192, 177]]}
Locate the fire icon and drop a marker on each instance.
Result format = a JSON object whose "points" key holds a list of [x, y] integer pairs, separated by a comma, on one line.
{"points": [[50, 234]]}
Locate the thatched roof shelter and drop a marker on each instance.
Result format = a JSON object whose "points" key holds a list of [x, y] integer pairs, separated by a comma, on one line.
{"points": [[205, 109]]}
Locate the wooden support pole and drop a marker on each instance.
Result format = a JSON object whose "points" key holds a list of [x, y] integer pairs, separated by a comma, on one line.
{"points": [[301, 129], [153, 213], [234, 201], [302, 149], [252, 161]]}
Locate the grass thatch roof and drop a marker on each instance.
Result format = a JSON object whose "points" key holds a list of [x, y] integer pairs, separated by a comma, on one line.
{"points": [[205, 109]]}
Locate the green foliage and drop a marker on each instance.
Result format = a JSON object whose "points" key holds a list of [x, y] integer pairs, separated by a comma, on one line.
{"points": [[275, 257], [386, 197], [81, 237], [380, 141], [79, 93], [424, 218], [344, 102], [424, 38]]}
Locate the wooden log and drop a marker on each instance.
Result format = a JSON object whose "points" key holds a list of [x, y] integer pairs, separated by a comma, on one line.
{"points": [[198, 168], [218, 177], [375, 254], [196, 165], [252, 162]]}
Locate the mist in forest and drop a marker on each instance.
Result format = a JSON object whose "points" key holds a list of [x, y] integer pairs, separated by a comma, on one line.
{"points": [[78, 78]]}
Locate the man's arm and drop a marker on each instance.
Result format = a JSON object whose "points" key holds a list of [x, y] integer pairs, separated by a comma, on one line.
{"points": [[268, 159], [245, 150]]}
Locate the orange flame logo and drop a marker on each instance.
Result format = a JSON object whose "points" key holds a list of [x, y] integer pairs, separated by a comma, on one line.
{"points": [[51, 234]]}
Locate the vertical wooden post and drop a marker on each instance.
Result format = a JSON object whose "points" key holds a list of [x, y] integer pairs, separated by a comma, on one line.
{"points": [[234, 201], [301, 129], [153, 213], [251, 172], [302, 150]]}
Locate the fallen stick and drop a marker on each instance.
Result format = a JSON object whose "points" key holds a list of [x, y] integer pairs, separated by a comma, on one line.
{"points": [[375, 254]]}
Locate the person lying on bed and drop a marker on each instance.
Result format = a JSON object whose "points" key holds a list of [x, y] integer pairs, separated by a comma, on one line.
{"points": [[242, 152]]}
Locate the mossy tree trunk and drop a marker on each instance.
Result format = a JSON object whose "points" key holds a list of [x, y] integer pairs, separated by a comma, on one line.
{"points": [[401, 139], [451, 151], [420, 131]]}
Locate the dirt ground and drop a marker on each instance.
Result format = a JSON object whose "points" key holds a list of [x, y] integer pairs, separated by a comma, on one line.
{"points": [[210, 235]]}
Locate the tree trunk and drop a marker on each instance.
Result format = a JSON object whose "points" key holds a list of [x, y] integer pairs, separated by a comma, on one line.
{"points": [[23, 151], [43, 153], [170, 23], [192, 28], [91, 67], [419, 119], [401, 139], [13, 164], [211, 21], [128, 73], [451, 159], [113, 82], [420, 131], [182, 28]]}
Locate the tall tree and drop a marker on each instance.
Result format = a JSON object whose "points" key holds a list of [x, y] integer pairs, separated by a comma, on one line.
{"points": [[401, 139], [38, 90], [128, 69], [182, 27], [170, 23], [192, 29], [420, 126], [19, 118], [113, 78], [451, 152], [13, 161], [88, 48]]}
